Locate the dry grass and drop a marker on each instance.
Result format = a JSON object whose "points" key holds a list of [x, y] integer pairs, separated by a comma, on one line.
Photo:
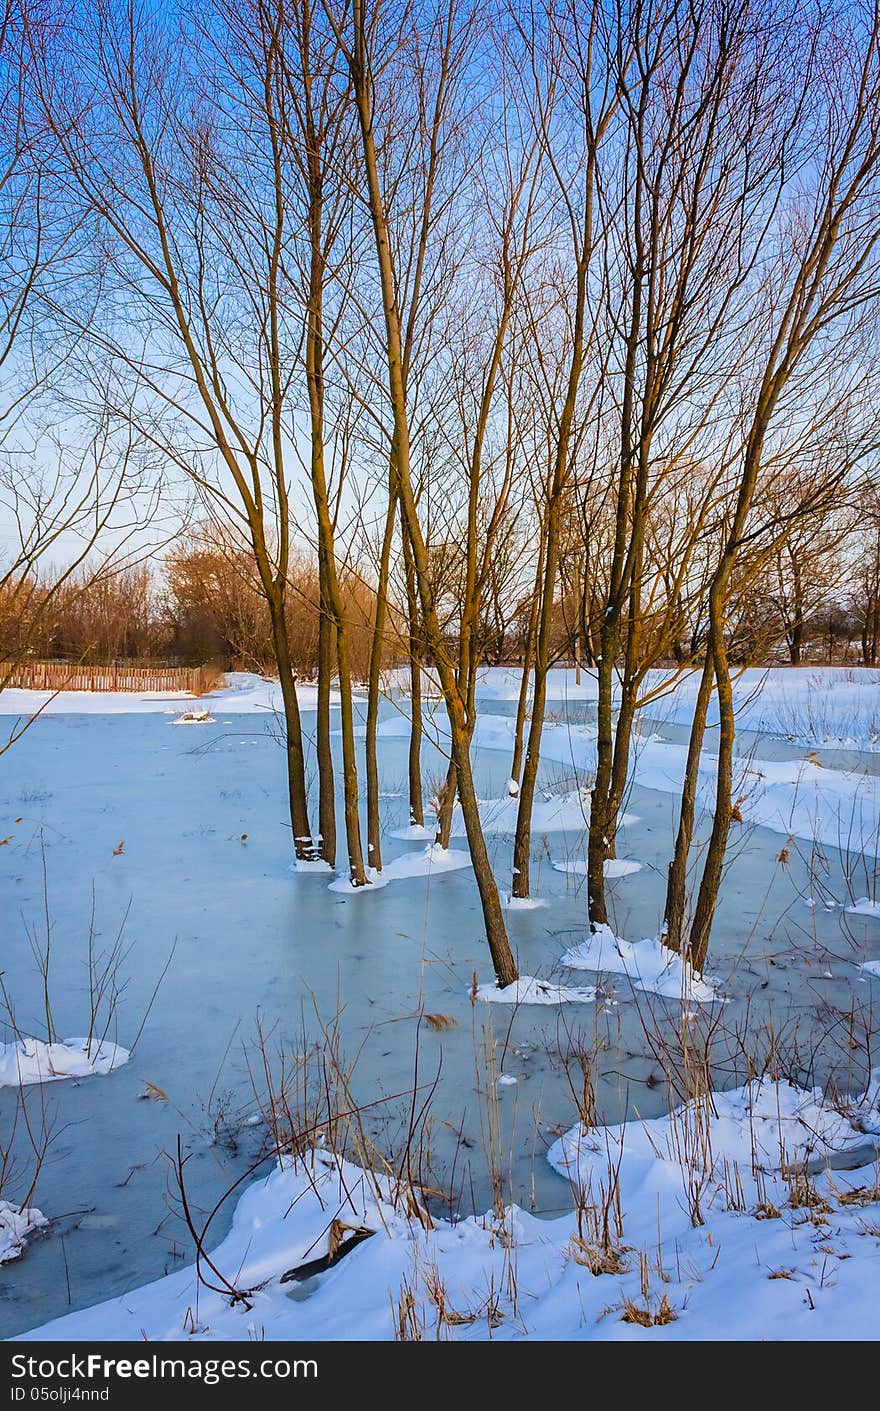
{"points": [[803, 1195], [859, 1195], [648, 1317], [598, 1258], [439, 1022]]}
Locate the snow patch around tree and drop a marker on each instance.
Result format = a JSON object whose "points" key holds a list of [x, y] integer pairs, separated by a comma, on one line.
{"points": [[620, 867], [421, 864], [17, 1225], [649, 965], [528, 989], [512, 903], [865, 907], [25, 1061], [612, 866]]}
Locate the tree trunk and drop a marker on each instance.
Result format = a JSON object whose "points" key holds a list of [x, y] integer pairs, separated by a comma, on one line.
{"points": [[493, 917], [296, 768], [596, 847], [676, 877], [710, 882], [326, 781], [416, 798], [522, 700], [374, 682], [446, 806], [357, 871]]}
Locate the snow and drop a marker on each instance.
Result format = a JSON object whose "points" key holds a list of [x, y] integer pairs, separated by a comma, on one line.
{"points": [[613, 867], [799, 1274], [421, 864], [822, 706], [17, 1225], [763, 1127], [512, 903], [30, 1060], [551, 813], [414, 833], [865, 907], [243, 692], [620, 867], [707, 1211], [796, 798], [649, 965], [530, 990], [502, 683]]}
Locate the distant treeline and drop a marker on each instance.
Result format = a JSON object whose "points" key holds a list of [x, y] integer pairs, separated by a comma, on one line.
{"points": [[199, 604], [819, 601]]}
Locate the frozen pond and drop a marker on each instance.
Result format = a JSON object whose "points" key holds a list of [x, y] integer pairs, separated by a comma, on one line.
{"points": [[205, 868]]}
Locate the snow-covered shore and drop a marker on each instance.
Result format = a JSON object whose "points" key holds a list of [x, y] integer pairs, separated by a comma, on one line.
{"points": [[243, 693], [725, 1220]]}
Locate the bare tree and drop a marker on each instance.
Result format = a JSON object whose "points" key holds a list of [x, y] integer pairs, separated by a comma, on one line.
{"points": [[361, 38], [824, 281], [174, 145]]}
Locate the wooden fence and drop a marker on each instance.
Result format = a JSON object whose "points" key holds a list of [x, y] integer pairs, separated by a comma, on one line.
{"points": [[74, 676]]}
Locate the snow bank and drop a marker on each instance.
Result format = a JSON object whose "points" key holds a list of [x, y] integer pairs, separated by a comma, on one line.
{"points": [[243, 693], [865, 907], [810, 705], [763, 1128], [649, 965], [420, 864], [529, 990], [796, 798], [771, 1259], [27, 1060], [502, 683], [16, 1227]]}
